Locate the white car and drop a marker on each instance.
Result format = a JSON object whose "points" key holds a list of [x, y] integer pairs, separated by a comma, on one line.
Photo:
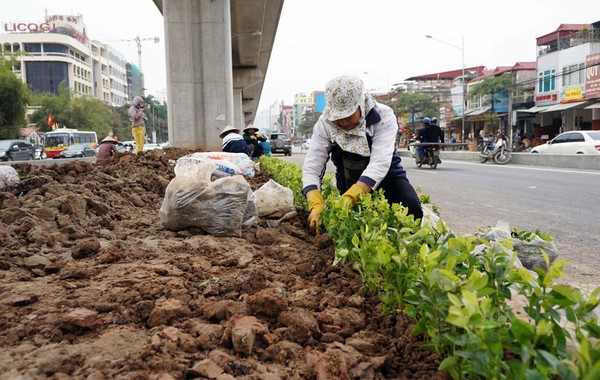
{"points": [[151, 146], [572, 142]]}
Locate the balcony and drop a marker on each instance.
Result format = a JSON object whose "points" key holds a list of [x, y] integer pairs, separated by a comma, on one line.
{"points": [[572, 40]]}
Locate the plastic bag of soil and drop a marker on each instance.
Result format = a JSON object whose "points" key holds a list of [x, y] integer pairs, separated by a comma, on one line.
{"points": [[220, 208], [8, 176], [529, 249]]}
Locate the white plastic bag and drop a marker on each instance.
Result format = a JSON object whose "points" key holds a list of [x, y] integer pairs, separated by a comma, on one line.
{"points": [[189, 166], [220, 208], [8, 176], [272, 197], [240, 160]]}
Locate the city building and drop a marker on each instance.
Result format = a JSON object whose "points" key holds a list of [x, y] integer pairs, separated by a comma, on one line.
{"points": [[568, 81], [58, 50]]}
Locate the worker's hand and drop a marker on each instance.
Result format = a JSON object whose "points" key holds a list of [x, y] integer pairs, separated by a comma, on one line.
{"points": [[315, 206], [351, 195]]}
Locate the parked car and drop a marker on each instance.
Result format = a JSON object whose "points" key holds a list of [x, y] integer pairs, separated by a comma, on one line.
{"points": [[280, 143], [572, 142], [16, 150], [79, 150], [151, 146]]}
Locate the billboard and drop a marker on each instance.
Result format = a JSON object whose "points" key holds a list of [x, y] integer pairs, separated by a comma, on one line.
{"points": [[592, 76]]}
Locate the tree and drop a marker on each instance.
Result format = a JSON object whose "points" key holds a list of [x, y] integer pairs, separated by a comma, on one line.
{"points": [[415, 105], [490, 89], [82, 113], [14, 98], [157, 117], [308, 122]]}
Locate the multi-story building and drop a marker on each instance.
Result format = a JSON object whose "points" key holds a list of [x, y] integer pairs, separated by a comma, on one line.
{"points": [[491, 113], [568, 82], [446, 88], [58, 50]]}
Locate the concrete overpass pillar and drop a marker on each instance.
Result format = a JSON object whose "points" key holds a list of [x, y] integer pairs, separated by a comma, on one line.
{"points": [[199, 72], [238, 112]]}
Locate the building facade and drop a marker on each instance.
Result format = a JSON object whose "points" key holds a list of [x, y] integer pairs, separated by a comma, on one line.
{"points": [[58, 50], [567, 89]]}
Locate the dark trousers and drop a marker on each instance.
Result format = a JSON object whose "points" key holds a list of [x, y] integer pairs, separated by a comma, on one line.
{"points": [[399, 190]]}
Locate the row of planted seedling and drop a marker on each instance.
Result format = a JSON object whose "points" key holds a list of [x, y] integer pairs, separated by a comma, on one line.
{"points": [[458, 289]]}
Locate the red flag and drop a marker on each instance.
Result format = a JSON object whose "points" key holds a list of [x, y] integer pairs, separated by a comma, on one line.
{"points": [[50, 119]]}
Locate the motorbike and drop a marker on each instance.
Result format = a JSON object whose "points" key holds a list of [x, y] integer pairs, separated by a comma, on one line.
{"points": [[432, 157], [495, 150], [40, 154]]}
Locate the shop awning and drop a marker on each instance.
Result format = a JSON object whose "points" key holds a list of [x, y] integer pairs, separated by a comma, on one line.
{"points": [[534, 109], [592, 106], [478, 111], [563, 106]]}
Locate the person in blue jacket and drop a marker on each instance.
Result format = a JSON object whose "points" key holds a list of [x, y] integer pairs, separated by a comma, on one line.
{"points": [[233, 142]]}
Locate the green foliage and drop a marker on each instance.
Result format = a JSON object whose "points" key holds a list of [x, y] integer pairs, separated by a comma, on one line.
{"points": [[414, 105], [14, 97], [458, 288], [308, 121]]}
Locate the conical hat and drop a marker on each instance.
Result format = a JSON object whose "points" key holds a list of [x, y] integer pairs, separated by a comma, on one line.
{"points": [[228, 128], [109, 139], [250, 126]]}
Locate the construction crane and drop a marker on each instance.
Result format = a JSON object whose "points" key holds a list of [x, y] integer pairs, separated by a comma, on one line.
{"points": [[138, 41]]}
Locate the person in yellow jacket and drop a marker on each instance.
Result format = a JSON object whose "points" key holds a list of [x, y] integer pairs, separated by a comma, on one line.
{"points": [[138, 123], [359, 135]]}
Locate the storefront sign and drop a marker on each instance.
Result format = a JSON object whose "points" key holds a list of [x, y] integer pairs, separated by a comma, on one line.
{"points": [[28, 27], [592, 76], [544, 99], [572, 94]]}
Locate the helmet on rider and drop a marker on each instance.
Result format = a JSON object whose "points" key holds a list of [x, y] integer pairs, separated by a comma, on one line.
{"points": [[426, 120], [434, 120]]}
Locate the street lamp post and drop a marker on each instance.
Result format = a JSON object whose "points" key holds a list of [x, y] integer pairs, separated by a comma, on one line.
{"points": [[462, 49]]}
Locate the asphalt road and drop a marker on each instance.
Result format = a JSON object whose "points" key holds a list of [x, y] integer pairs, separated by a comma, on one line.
{"points": [[560, 201]]}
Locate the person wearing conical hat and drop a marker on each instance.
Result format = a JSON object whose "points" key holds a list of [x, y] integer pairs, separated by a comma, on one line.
{"points": [[233, 142], [253, 137], [107, 148]]}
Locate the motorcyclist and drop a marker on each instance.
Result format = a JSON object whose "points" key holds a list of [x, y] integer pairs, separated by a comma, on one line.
{"points": [[431, 133]]}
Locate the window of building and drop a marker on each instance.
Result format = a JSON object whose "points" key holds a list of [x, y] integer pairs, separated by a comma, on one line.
{"points": [[33, 48], [16, 48], [56, 48], [573, 75], [7, 48], [46, 76], [547, 81]]}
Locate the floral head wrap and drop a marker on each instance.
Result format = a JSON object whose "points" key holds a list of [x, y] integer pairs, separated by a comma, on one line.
{"points": [[343, 95]]}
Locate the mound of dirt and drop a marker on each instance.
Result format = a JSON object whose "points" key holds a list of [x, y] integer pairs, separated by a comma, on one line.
{"points": [[93, 287]]}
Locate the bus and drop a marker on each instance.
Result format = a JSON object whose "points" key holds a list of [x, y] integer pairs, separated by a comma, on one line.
{"points": [[58, 140]]}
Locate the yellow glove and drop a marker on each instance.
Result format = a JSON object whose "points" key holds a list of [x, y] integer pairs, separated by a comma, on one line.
{"points": [[315, 206], [351, 195]]}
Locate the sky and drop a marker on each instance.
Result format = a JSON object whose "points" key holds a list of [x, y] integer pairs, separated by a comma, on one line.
{"points": [[320, 39]]}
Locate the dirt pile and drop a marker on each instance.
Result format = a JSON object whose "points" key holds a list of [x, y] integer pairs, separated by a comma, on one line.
{"points": [[94, 288]]}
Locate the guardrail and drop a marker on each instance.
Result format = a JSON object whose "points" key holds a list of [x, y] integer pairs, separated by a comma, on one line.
{"points": [[573, 161]]}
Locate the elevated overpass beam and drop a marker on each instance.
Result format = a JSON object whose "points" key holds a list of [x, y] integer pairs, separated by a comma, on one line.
{"points": [[217, 52], [199, 72]]}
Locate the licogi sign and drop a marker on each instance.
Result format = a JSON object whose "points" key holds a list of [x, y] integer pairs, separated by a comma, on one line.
{"points": [[32, 27]]}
